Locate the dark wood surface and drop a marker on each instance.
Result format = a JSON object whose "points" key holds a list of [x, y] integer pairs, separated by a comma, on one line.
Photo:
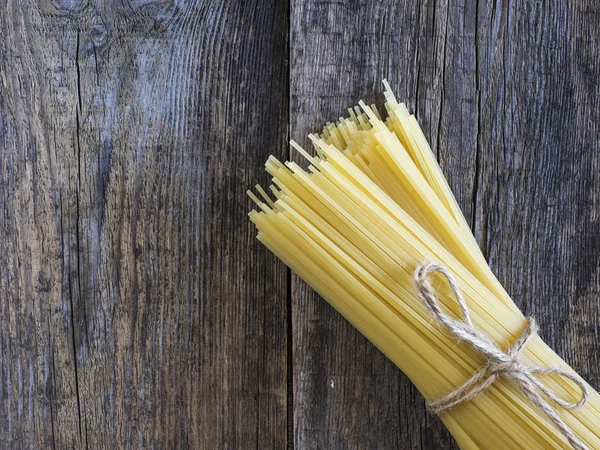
{"points": [[136, 308]]}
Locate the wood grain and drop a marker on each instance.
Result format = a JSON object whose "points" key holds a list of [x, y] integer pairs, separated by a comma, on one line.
{"points": [[135, 311], [538, 183], [136, 308], [507, 94]]}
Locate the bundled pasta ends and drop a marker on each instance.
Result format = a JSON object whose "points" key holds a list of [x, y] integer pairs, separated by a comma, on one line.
{"points": [[367, 211]]}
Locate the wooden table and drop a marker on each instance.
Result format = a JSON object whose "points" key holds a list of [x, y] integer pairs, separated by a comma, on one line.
{"points": [[136, 308]]}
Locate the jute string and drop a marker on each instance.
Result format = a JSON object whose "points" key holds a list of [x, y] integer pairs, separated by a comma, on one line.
{"points": [[498, 363]]}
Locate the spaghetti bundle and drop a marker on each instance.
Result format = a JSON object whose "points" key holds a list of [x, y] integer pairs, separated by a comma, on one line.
{"points": [[373, 206]]}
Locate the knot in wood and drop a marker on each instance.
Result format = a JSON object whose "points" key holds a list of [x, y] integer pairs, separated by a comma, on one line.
{"points": [[99, 34]]}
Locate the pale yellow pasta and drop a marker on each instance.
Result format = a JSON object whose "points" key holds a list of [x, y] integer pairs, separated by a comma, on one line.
{"points": [[369, 208]]}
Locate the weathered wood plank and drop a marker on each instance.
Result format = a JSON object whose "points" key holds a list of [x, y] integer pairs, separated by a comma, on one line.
{"points": [[538, 185], [508, 97], [346, 393], [135, 309]]}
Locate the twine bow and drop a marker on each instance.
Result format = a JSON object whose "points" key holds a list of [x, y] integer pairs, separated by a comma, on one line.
{"points": [[498, 363]]}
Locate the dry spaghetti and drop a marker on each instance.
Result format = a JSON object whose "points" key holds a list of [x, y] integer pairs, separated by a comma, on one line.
{"points": [[371, 207]]}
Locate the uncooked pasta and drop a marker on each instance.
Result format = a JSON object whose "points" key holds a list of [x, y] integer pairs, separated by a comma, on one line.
{"points": [[357, 221]]}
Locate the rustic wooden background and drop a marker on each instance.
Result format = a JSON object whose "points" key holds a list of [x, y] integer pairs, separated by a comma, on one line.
{"points": [[136, 308]]}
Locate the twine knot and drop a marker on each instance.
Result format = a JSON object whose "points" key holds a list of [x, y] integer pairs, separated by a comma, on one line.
{"points": [[498, 363]]}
